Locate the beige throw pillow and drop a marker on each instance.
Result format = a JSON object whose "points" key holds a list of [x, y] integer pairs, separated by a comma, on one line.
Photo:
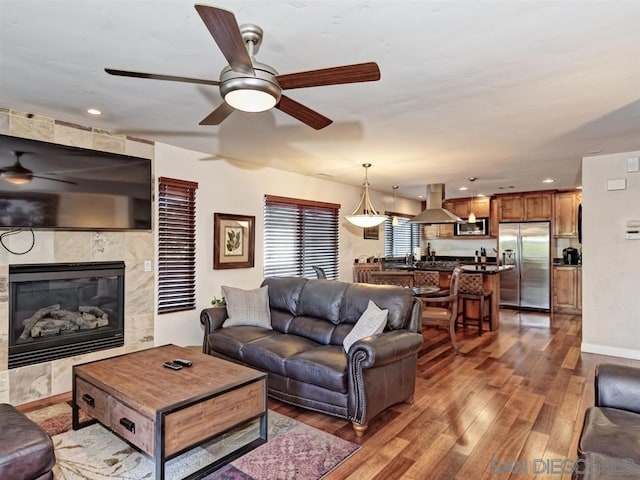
{"points": [[247, 307], [371, 322]]}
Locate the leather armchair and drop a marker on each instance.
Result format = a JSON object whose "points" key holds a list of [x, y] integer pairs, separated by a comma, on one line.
{"points": [[609, 444], [26, 450]]}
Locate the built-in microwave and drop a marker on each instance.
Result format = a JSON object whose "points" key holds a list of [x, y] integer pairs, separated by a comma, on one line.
{"points": [[480, 227]]}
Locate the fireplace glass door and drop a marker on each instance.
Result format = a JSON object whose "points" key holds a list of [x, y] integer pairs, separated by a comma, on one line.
{"points": [[61, 310]]}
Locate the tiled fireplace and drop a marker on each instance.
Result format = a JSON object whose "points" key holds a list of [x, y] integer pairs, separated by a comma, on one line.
{"points": [[59, 310], [19, 385]]}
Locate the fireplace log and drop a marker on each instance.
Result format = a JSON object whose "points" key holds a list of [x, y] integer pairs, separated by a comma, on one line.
{"points": [[49, 326], [33, 319], [89, 321], [65, 315], [61, 321], [92, 309]]}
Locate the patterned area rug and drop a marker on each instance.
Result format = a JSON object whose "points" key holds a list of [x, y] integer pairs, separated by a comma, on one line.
{"points": [[294, 451]]}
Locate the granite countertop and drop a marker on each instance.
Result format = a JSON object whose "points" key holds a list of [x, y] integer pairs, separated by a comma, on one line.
{"points": [[487, 269], [447, 266]]}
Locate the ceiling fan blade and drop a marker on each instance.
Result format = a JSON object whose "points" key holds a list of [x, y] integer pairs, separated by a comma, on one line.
{"points": [[304, 114], [218, 115], [55, 179], [361, 72], [155, 76], [224, 29]]}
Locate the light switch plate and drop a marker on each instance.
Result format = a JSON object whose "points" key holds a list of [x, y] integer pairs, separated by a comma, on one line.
{"points": [[633, 164], [147, 265]]}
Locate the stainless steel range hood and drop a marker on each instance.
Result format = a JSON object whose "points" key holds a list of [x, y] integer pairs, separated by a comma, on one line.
{"points": [[434, 212]]}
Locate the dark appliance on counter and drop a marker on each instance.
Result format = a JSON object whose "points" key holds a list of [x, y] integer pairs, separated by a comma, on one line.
{"points": [[570, 256], [479, 227]]}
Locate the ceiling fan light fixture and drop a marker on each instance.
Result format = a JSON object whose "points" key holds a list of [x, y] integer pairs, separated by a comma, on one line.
{"points": [[17, 178], [248, 93], [249, 100], [365, 215]]}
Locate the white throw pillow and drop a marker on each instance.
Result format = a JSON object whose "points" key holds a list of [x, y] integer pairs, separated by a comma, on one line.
{"points": [[247, 307], [371, 322]]}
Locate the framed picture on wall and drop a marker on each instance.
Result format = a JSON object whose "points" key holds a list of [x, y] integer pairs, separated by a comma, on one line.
{"points": [[233, 241], [371, 233]]}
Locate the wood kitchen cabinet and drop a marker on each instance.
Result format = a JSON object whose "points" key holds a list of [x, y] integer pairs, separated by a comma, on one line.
{"points": [[480, 206], [567, 289], [458, 206], [463, 207], [444, 230], [494, 224], [510, 208], [524, 207], [537, 206], [566, 214]]}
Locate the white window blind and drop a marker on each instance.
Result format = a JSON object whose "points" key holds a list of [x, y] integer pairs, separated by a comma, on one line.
{"points": [[402, 239], [298, 235], [176, 245]]}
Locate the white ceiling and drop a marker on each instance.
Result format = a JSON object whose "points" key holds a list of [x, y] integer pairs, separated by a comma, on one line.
{"points": [[510, 92]]}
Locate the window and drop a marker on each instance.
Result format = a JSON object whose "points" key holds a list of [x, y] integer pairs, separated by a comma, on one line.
{"points": [[402, 239], [298, 235], [176, 245]]}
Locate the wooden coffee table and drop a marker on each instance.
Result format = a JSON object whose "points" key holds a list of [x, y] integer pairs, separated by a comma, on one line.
{"points": [[165, 412]]}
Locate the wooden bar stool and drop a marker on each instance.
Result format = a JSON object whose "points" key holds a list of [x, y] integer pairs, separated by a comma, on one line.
{"points": [[471, 289], [422, 278], [400, 279], [361, 271]]}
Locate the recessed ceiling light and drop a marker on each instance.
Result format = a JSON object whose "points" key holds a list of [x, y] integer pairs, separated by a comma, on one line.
{"points": [[548, 180], [93, 111], [579, 187], [593, 152], [463, 188], [420, 196]]}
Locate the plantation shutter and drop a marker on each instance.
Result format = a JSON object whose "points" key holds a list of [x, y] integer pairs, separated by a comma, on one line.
{"points": [[176, 245], [298, 235], [402, 239]]}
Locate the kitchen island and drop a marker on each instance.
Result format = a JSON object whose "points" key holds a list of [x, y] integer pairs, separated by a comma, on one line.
{"points": [[490, 280]]}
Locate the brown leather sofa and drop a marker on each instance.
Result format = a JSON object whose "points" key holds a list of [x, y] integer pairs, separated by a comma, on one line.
{"points": [[609, 444], [26, 450], [304, 354]]}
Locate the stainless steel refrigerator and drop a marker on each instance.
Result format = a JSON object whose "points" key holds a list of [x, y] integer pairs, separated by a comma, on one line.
{"points": [[526, 246]]}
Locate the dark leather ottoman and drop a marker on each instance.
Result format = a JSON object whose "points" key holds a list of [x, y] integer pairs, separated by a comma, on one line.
{"points": [[26, 450]]}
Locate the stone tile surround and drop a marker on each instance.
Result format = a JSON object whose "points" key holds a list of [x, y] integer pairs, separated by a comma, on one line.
{"points": [[25, 384]]}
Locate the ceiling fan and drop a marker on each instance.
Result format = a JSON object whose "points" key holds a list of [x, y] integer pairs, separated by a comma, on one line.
{"points": [[248, 85], [19, 175]]}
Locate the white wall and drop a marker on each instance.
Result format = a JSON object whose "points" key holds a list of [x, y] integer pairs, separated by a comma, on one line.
{"points": [[239, 189], [611, 264]]}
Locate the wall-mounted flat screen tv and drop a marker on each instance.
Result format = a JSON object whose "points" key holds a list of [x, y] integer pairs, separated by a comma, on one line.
{"points": [[50, 186]]}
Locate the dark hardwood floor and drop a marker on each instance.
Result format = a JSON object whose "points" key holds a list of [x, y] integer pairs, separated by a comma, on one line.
{"points": [[514, 395]]}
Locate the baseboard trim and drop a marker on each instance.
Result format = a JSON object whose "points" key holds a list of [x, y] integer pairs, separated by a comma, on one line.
{"points": [[44, 402], [610, 351]]}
